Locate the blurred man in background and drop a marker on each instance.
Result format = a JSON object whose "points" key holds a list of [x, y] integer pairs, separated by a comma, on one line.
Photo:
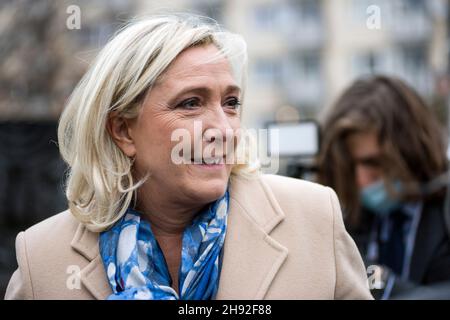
{"points": [[384, 153]]}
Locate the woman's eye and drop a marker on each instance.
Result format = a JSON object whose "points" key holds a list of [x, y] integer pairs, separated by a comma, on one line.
{"points": [[233, 103], [191, 103]]}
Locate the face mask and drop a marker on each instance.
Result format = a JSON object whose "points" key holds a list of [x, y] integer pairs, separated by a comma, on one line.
{"points": [[376, 199]]}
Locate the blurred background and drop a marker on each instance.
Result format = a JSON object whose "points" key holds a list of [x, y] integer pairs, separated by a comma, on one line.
{"points": [[302, 54]]}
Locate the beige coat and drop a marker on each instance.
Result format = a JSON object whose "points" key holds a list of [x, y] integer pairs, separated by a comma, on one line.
{"points": [[285, 240]]}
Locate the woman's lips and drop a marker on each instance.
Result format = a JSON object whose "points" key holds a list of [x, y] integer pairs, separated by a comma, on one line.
{"points": [[209, 161], [210, 166], [213, 163]]}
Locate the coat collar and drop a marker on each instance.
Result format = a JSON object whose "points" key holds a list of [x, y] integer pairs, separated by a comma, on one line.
{"points": [[251, 257], [93, 276]]}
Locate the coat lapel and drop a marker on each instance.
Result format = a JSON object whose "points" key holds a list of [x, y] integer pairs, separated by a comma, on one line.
{"points": [[93, 275], [252, 258]]}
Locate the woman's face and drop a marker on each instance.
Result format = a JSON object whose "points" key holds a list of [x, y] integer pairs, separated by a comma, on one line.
{"points": [[191, 90]]}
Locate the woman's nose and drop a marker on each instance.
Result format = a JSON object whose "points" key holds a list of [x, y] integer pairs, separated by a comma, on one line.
{"points": [[217, 125]]}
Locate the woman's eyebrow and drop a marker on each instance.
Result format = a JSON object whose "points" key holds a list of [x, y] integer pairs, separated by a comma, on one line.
{"points": [[232, 88], [205, 90]]}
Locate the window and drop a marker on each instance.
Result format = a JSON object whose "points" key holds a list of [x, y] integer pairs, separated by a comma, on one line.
{"points": [[267, 71], [265, 16], [367, 63]]}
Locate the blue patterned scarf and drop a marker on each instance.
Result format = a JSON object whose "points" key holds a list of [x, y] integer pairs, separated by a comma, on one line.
{"points": [[136, 267]]}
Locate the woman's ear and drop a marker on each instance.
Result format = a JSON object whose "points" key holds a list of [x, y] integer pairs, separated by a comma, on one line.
{"points": [[120, 131]]}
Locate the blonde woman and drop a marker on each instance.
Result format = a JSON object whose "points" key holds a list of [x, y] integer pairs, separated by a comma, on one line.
{"points": [[143, 226]]}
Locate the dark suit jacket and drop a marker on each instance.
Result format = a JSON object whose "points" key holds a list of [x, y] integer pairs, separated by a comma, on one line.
{"points": [[429, 276]]}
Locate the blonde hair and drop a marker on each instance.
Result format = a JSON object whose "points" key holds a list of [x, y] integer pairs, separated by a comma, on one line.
{"points": [[100, 185]]}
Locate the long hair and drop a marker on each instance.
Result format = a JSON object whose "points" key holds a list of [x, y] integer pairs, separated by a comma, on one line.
{"points": [[411, 140], [100, 185]]}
